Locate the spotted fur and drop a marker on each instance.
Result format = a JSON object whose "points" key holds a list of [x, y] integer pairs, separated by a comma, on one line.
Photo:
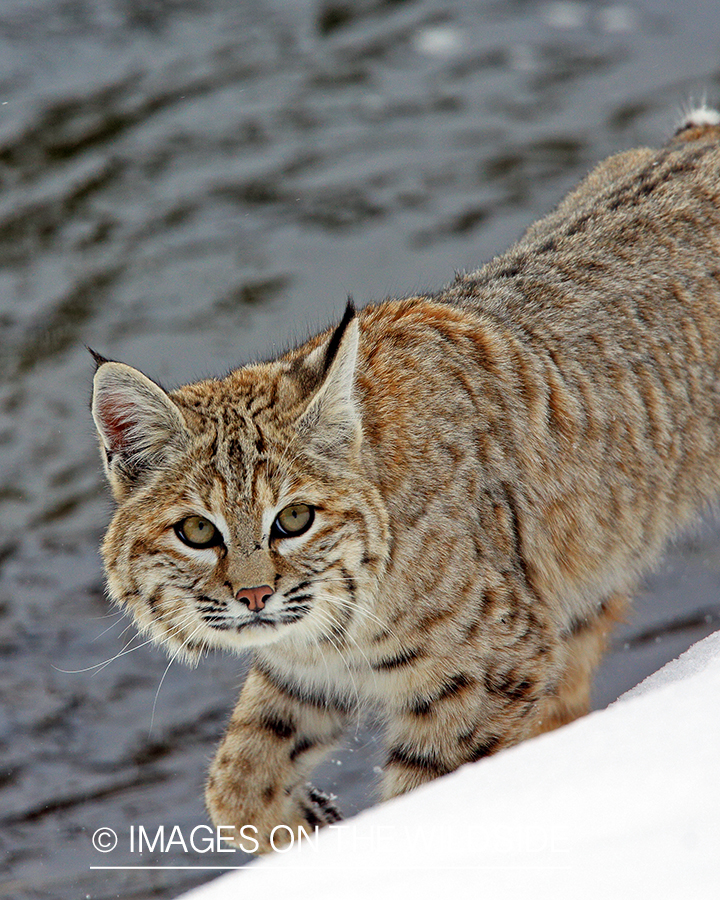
{"points": [[491, 470]]}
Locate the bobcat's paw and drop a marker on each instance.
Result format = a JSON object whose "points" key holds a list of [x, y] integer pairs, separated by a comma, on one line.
{"points": [[317, 807], [257, 827], [312, 809]]}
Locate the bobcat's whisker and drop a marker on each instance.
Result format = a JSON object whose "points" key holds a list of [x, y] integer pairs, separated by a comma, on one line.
{"points": [[101, 665], [325, 619], [172, 659], [117, 621]]}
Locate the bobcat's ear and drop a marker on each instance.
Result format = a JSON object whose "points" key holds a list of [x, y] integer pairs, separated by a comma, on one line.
{"points": [[136, 421], [331, 424]]}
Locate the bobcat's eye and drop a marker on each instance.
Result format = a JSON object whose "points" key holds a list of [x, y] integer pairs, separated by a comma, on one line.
{"points": [[293, 520], [197, 531]]}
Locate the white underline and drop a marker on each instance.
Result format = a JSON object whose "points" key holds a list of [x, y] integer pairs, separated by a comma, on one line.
{"points": [[208, 868], [299, 868]]}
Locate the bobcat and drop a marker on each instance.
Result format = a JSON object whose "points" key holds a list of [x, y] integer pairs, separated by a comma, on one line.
{"points": [[439, 507]]}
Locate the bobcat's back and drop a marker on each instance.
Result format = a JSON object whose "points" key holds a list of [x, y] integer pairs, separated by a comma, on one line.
{"points": [[609, 311]]}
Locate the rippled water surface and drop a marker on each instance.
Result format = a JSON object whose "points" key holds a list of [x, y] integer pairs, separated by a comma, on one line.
{"points": [[189, 184]]}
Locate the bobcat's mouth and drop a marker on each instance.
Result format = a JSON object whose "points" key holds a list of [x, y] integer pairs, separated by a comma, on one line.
{"points": [[218, 616], [230, 623]]}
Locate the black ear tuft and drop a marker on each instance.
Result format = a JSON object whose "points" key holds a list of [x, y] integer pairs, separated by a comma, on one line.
{"points": [[330, 425], [337, 335], [99, 360]]}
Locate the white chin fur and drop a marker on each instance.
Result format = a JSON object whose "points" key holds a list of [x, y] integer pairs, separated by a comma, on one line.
{"points": [[245, 639]]}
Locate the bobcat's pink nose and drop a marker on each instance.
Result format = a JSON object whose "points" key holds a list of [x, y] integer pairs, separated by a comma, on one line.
{"points": [[254, 597]]}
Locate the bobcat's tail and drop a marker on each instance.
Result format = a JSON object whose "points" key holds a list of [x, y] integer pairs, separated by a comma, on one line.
{"points": [[697, 122]]}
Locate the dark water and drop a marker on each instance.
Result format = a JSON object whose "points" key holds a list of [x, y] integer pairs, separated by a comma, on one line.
{"points": [[187, 184]]}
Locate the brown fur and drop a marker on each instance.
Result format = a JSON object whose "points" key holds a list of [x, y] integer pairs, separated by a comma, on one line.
{"points": [[491, 469]]}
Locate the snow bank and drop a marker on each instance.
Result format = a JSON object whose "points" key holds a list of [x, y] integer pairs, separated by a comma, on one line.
{"points": [[623, 803]]}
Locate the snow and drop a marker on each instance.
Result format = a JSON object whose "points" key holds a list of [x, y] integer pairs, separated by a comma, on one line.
{"points": [[622, 803]]}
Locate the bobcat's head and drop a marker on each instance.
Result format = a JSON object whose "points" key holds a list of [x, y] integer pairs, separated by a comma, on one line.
{"points": [[244, 515]]}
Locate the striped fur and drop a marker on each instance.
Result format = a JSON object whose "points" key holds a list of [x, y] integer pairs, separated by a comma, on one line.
{"points": [[491, 470]]}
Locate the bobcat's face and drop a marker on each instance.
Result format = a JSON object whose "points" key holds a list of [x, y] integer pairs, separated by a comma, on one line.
{"points": [[242, 516], [222, 561]]}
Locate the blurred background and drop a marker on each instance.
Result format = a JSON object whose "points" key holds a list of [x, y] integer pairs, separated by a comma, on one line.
{"points": [[187, 185]]}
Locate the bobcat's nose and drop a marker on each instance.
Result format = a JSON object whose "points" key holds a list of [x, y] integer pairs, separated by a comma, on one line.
{"points": [[254, 598]]}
